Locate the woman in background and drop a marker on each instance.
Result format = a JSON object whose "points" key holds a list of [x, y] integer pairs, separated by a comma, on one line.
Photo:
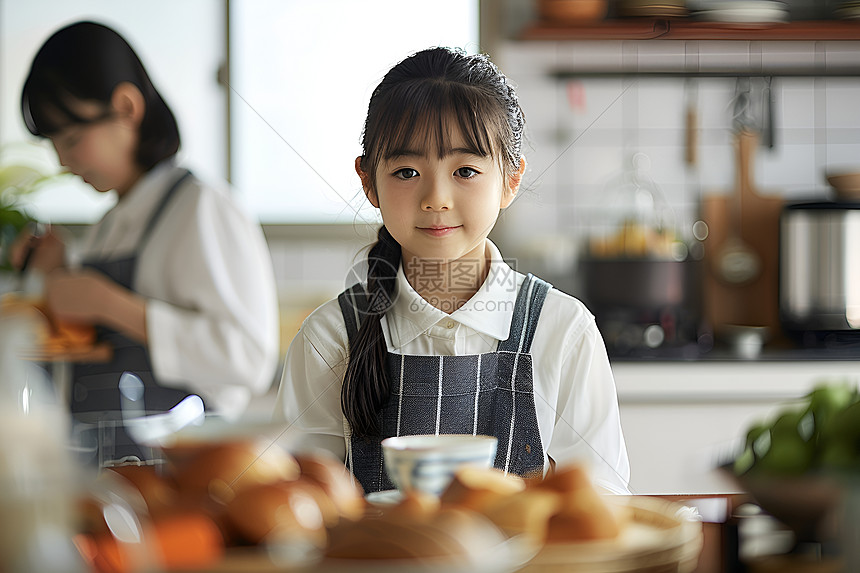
{"points": [[174, 276]]}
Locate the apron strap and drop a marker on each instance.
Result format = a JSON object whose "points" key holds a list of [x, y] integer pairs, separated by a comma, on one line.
{"points": [[353, 306], [156, 215], [527, 309]]}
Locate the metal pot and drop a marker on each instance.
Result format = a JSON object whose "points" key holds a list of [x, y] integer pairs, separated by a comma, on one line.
{"points": [[643, 303], [819, 270]]}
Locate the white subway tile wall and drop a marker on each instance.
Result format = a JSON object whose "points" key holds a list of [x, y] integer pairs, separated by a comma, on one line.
{"points": [[585, 131]]}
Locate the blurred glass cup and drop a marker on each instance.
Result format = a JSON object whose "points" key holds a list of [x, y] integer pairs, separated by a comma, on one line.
{"points": [[106, 443], [38, 477]]}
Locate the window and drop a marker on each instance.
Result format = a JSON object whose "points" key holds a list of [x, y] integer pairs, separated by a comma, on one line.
{"points": [[301, 78]]}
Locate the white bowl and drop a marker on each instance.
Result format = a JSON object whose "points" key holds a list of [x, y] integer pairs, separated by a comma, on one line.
{"points": [[428, 463]]}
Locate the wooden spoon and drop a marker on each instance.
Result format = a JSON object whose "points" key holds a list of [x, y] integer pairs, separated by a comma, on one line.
{"points": [[737, 263]]}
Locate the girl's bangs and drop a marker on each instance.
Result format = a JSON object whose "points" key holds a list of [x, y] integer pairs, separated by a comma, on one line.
{"points": [[433, 115]]}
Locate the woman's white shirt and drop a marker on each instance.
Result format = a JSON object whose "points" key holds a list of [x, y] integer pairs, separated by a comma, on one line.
{"points": [[575, 396], [206, 272]]}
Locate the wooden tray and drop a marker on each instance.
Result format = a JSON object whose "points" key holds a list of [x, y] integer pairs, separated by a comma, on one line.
{"points": [[508, 557], [663, 537]]}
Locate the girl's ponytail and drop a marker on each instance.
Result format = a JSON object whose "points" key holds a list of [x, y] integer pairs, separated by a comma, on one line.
{"points": [[366, 385]]}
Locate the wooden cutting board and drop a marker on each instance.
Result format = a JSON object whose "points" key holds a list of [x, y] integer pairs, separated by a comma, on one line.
{"points": [[754, 218]]}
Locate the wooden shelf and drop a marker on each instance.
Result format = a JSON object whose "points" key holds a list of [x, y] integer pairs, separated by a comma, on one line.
{"points": [[656, 29]]}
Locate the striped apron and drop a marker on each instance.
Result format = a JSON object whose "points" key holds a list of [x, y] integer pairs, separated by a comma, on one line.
{"points": [[485, 394]]}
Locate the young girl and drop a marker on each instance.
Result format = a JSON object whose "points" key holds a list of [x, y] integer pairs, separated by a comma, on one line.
{"points": [[445, 337], [176, 277]]}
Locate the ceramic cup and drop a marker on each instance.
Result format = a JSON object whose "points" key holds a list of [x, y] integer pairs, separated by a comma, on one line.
{"points": [[427, 463]]}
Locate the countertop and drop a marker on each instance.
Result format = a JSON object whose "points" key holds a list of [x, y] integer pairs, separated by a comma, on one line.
{"points": [[682, 419], [825, 348], [763, 380]]}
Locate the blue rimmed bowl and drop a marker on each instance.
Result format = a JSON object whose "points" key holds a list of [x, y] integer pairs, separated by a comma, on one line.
{"points": [[427, 463]]}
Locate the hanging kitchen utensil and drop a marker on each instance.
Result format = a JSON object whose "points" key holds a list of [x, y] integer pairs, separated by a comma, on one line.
{"points": [[737, 262], [691, 122], [768, 130], [742, 116]]}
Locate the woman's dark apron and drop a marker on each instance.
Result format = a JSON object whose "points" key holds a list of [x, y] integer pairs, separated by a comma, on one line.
{"points": [[95, 396], [485, 394]]}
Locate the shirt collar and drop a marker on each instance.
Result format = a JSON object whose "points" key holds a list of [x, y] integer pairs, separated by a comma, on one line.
{"points": [[488, 312], [147, 192]]}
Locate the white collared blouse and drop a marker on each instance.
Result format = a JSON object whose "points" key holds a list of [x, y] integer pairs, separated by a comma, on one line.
{"points": [[575, 396], [206, 272]]}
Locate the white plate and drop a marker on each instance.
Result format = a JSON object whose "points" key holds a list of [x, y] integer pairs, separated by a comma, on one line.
{"points": [[384, 498], [736, 4], [744, 15], [848, 12], [218, 429]]}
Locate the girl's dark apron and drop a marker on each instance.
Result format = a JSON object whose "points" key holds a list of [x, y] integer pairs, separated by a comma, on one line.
{"points": [[490, 394], [95, 396]]}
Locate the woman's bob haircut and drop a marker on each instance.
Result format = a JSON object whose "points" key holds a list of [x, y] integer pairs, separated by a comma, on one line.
{"points": [[84, 62]]}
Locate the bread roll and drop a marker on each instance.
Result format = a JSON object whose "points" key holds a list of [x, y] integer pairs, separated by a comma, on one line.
{"points": [[475, 534], [527, 513], [566, 479], [286, 510], [333, 477], [159, 493], [477, 488], [415, 506], [587, 518], [456, 533], [582, 514], [388, 537], [187, 540], [222, 470], [331, 515]]}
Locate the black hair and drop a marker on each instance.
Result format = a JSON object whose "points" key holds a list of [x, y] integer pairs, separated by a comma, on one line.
{"points": [[418, 102], [85, 61]]}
